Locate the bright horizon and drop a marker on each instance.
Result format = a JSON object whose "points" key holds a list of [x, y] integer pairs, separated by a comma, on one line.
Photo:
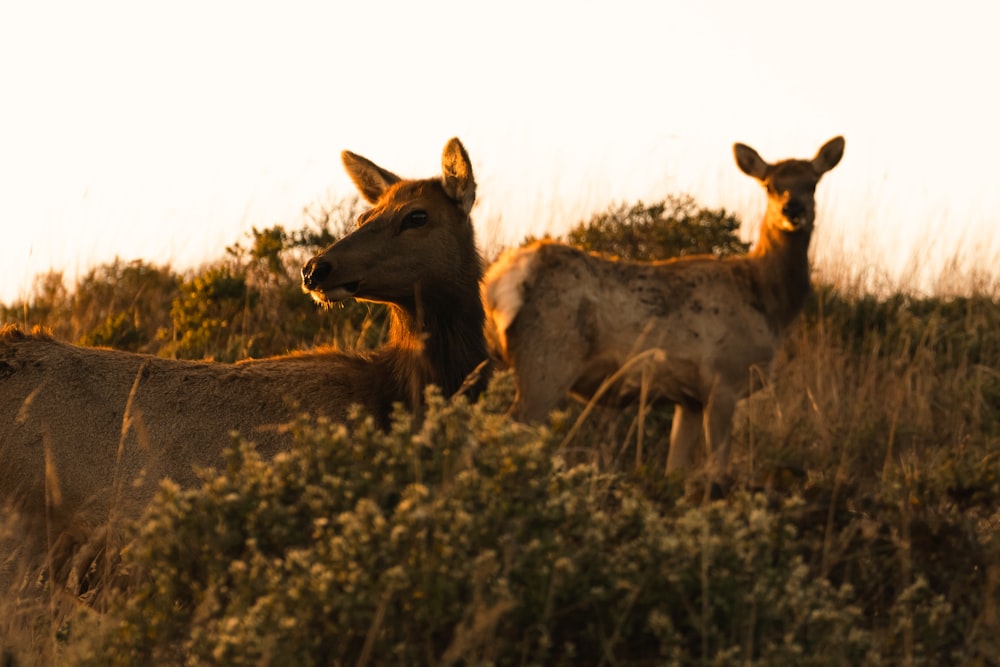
{"points": [[166, 134]]}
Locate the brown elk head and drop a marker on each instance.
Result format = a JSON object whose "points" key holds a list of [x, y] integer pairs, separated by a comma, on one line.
{"points": [[790, 184], [415, 247]]}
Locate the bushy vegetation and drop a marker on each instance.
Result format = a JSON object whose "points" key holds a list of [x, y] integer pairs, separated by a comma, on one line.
{"points": [[862, 530], [674, 227], [247, 304], [466, 540]]}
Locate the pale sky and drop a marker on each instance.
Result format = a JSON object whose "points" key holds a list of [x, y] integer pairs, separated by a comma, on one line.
{"points": [[164, 131]]}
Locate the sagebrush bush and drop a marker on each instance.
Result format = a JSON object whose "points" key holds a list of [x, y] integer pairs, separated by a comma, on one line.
{"points": [[464, 540], [673, 227], [249, 303]]}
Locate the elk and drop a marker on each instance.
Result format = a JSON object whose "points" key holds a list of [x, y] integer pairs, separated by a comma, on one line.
{"points": [[697, 331], [78, 425]]}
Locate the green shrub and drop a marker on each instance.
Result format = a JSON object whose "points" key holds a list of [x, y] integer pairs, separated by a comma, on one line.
{"points": [[207, 315], [673, 227], [249, 303], [468, 540]]}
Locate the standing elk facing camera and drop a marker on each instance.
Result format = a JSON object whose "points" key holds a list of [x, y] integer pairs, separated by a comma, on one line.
{"points": [[78, 425], [696, 331]]}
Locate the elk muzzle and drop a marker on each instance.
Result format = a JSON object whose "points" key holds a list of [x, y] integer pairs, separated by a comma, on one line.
{"points": [[795, 213], [313, 273]]}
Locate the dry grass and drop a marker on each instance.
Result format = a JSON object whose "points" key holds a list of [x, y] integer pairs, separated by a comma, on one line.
{"points": [[873, 403]]}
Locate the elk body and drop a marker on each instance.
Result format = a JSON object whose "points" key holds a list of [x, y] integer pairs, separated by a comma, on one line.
{"points": [[696, 331], [78, 425]]}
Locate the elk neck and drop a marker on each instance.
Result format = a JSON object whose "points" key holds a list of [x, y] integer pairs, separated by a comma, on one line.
{"points": [[438, 338], [781, 260]]}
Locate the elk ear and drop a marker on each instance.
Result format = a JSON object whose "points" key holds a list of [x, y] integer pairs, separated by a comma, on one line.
{"points": [[457, 175], [829, 155], [749, 162], [371, 179]]}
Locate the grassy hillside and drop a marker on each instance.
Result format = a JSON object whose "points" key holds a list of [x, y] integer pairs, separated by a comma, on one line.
{"points": [[863, 529]]}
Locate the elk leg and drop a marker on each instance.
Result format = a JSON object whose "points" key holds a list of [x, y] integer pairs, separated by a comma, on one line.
{"points": [[685, 432], [718, 428]]}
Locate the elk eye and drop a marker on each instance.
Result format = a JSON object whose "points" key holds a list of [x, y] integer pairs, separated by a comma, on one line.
{"points": [[413, 220]]}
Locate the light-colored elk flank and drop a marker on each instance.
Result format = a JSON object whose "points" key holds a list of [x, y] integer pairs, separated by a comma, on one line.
{"points": [[699, 329], [66, 409]]}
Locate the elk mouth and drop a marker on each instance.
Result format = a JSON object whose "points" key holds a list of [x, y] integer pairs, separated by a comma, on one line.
{"points": [[336, 293], [350, 288], [793, 224], [795, 216]]}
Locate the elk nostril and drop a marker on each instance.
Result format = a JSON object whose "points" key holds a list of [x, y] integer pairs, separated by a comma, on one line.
{"points": [[314, 272], [793, 210]]}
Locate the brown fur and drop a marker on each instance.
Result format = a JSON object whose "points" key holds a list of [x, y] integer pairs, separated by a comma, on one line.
{"points": [[705, 327], [79, 425]]}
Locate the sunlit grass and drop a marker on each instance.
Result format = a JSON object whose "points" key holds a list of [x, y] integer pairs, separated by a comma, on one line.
{"points": [[873, 447]]}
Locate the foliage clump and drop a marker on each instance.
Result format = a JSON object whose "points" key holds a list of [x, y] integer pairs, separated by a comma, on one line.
{"points": [[469, 539], [464, 540], [247, 304], [674, 227]]}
